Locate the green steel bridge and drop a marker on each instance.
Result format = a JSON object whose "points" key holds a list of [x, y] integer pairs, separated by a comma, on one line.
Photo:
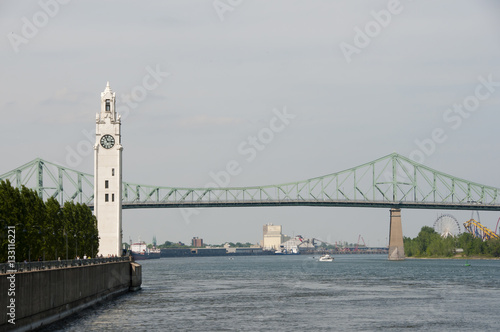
{"points": [[392, 181]]}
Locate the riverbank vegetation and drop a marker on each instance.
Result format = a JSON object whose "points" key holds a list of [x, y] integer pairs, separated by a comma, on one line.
{"points": [[428, 243], [44, 230]]}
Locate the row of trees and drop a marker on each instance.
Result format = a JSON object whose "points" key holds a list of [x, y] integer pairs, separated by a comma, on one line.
{"points": [[169, 244], [45, 230], [429, 243]]}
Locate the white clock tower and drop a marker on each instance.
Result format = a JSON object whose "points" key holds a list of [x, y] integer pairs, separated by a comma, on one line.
{"points": [[108, 176]]}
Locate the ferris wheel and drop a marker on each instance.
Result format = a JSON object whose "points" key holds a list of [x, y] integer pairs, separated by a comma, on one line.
{"points": [[447, 225]]}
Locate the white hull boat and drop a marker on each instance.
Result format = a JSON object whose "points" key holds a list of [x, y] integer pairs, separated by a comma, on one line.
{"points": [[326, 258]]}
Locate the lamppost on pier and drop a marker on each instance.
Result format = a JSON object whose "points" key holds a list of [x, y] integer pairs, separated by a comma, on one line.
{"points": [[84, 245], [76, 246], [43, 237], [56, 243], [42, 233], [66, 235]]}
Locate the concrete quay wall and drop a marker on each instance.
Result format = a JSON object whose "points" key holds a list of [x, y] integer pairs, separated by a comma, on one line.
{"points": [[45, 296]]}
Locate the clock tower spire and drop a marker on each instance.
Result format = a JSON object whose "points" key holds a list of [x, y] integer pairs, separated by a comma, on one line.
{"points": [[108, 176]]}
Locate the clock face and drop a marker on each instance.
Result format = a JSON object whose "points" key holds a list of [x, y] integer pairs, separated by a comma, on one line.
{"points": [[107, 141]]}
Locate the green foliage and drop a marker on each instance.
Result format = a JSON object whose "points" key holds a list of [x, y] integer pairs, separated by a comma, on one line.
{"points": [[45, 230], [169, 244], [494, 247], [428, 243]]}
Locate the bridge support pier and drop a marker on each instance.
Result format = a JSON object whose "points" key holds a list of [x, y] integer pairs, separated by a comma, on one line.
{"points": [[396, 246]]}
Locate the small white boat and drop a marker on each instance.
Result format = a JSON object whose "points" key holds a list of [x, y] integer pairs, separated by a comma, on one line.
{"points": [[326, 258]]}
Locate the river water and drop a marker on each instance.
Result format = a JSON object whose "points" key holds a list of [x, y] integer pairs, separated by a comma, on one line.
{"points": [[297, 293]]}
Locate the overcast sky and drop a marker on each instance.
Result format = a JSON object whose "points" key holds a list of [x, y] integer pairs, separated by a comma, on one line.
{"points": [[194, 79]]}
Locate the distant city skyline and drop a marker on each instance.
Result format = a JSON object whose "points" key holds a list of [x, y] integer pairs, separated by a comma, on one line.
{"points": [[201, 86]]}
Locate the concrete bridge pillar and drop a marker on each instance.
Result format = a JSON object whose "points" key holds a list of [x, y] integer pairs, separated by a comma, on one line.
{"points": [[396, 246]]}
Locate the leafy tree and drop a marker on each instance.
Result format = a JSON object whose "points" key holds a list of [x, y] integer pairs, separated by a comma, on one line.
{"points": [[80, 227], [55, 229], [494, 247], [425, 237], [169, 244], [429, 244], [464, 241], [42, 228], [12, 214]]}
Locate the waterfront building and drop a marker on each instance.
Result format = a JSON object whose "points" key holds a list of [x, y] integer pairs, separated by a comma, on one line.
{"points": [[272, 237], [297, 244], [108, 176], [197, 242]]}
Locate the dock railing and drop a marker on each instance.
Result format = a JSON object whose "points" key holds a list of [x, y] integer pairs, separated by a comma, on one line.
{"points": [[9, 268]]}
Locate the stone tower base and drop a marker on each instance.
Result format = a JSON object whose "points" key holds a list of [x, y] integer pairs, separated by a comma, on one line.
{"points": [[396, 246]]}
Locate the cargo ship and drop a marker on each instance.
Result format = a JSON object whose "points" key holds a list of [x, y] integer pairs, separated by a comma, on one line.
{"points": [[140, 251]]}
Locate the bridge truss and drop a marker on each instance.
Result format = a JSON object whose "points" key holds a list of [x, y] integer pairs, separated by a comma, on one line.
{"points": [[392, 181]]}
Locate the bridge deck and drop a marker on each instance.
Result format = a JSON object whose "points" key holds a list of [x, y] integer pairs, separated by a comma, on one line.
{"points": [[400, 205], [392, 181]]}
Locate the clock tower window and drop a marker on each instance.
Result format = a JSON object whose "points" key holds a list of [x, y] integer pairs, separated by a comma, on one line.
{"points": [[106, 184], [106, 197], [112, 197], [108, 105]]}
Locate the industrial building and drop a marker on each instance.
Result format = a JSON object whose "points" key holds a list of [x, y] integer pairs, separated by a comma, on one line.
{"points": [[297, 244], [272, 237]]}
